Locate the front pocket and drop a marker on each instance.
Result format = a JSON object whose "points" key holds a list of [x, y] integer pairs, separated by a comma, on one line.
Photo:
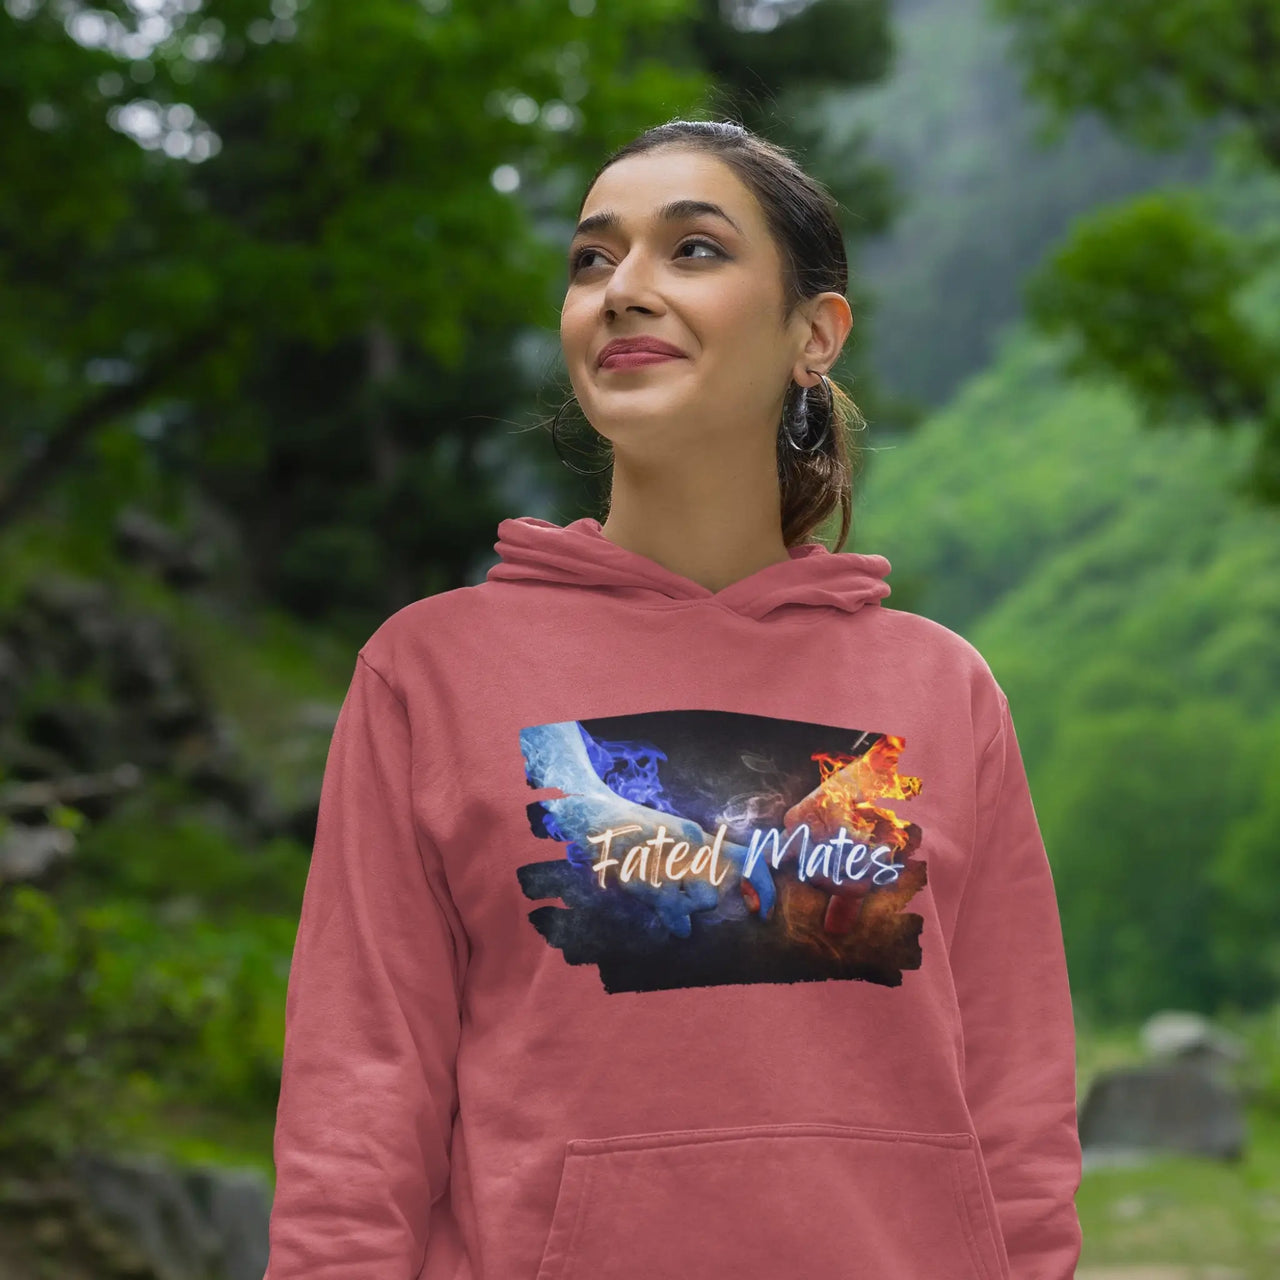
{"points": [[772, 1201]]}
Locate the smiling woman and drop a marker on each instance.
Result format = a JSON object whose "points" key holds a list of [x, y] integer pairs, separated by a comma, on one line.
{"points": [[705, 305], [604, 969]]}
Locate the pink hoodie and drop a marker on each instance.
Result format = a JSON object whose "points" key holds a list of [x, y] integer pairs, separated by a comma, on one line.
{"points": [[658, 932]]}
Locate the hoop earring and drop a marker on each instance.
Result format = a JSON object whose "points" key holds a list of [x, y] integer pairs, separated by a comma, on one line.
{"points": [[555, 444], [801, 417]]}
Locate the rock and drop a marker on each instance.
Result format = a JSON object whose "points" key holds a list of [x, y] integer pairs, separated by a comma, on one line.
{"points": [[1178, 1035], [181, 561], [31, 852], [193, 1223], [144, 704], [1176, 1106], [30, 800]]}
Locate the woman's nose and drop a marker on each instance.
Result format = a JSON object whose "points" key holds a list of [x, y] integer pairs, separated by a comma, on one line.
{"points": [[631, 286]]}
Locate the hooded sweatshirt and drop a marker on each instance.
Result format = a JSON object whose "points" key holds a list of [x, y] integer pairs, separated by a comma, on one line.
{"points": [[653, 931]]}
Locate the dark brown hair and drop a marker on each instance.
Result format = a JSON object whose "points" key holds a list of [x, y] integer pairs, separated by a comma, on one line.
{"points": [[802, 218]]}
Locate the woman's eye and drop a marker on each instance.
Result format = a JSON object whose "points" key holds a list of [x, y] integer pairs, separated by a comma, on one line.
{"points": [[703, 244], [579, 259]]}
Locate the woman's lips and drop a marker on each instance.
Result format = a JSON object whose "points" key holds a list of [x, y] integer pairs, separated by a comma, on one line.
{"points": [[634, 359]]}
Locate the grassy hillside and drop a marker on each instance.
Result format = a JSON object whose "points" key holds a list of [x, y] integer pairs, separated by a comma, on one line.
{"points": [[1129, 602]]}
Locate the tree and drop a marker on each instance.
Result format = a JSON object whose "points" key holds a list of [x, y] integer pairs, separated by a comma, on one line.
{"points": [[282, 257], [1149, 292], [253, 235]]}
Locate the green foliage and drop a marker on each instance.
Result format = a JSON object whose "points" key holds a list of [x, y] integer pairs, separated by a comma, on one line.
{"points": [[1129, 607], [1154, 67], [979, 200], [1245, 940], [111, 1004], [1148, 289], [1151, 286], [141, 995], [269, 258], [353, 173], [1137, 799], [282, 257], [159, 844]]}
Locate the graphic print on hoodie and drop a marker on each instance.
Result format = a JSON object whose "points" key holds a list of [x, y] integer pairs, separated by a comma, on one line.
{"points": [[507, 1060], [706, 847]]}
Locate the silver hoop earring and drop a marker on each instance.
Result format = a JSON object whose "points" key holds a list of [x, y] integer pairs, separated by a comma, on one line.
{"points": [[555, 443], [800, 416]]}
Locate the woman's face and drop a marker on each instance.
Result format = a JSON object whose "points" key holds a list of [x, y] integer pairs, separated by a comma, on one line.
{"points": [[710, 286]]}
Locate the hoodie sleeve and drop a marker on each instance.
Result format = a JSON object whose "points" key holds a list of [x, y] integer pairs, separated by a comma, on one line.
{"points": [[367, 1091], [1010, 975]]}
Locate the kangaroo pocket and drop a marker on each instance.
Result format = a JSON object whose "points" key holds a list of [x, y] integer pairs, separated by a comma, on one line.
{"points": [[812, 1200]]}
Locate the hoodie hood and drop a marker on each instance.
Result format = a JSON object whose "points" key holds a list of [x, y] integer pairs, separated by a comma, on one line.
{"points": [[579, 555]]}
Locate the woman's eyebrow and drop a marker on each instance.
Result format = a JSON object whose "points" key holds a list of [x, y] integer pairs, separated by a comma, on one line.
{"points": [[673, 211]]}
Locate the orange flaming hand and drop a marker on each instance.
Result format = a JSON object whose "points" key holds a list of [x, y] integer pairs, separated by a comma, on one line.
{"points": [[844, 798]]}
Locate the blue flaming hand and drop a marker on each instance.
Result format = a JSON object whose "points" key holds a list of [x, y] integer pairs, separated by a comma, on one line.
{"points": [[555, 756]]}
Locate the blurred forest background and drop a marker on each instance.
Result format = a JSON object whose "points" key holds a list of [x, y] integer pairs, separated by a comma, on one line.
{"points": [[279, 289]]}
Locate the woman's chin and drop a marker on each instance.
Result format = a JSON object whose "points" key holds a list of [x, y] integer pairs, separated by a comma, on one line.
{"points": [[617, 422]]}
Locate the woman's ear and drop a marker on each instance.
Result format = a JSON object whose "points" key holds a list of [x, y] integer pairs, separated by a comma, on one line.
{"points": [[829, 321]]}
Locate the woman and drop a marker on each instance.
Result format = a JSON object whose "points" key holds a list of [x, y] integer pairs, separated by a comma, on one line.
{"points": [[675, 909]]}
